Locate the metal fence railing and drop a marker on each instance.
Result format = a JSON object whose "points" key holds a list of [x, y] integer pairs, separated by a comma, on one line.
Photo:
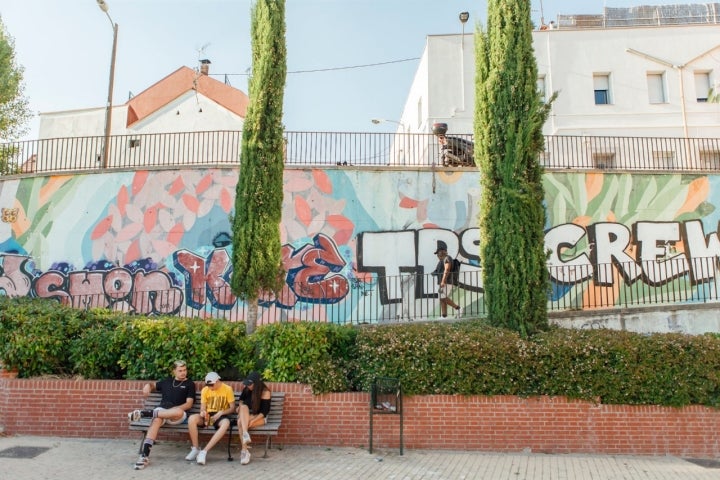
{"points": [[350, 149], [413, 297]]}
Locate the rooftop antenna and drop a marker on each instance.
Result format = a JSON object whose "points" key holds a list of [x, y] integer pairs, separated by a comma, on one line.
{"points": [[201, 51], [201, 58], [542, 14], [203, 62]]}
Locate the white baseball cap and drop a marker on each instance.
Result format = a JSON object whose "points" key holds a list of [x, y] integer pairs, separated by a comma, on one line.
{"points": [[211, 378]]}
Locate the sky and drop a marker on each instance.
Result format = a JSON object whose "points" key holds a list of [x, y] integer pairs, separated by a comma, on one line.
{"points": [[65, 48]]}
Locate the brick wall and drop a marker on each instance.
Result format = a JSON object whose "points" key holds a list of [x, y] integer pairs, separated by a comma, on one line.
{"points": [[97, 408]]}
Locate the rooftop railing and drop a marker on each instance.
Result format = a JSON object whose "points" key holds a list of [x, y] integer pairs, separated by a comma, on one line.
{"points": [[311, 149]]}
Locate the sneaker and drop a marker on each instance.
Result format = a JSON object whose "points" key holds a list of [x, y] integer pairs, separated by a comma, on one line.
{"points": [[246, 438], [142, 462], [244, 457], [201, 457], [134, 416], [459, 312], [193, 454]]}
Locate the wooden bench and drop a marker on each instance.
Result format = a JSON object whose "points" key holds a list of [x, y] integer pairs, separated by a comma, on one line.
{"points": [[269, 430]]}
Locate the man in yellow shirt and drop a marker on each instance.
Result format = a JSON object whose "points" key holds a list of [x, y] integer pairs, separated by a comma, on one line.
{"points": [[217, 401]]}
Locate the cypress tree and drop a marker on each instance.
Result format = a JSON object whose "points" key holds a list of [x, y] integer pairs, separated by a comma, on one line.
{"points": [[509, 115], [257, 262]]}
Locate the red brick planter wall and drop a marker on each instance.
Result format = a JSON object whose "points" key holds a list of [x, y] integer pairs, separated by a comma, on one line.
{"points": [[97, 409]]}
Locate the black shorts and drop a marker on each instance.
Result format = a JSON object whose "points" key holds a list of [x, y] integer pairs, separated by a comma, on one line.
{"points": [[217, 423]]}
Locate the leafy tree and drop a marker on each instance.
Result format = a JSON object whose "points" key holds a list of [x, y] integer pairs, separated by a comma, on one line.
{"points": [[257, 262], [509, 116], [14, 110], [8, 166]]}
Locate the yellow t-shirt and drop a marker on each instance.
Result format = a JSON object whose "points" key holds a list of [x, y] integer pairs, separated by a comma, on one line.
{"points": [[217, 400]]}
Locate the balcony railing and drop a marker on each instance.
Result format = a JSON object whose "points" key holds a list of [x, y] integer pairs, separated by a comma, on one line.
{"points": [[350, 149], [413, 297]]}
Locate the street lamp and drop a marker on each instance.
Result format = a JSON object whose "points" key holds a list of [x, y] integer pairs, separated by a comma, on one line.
{"points": [[377, 121], [108, 107], [464, 17]]}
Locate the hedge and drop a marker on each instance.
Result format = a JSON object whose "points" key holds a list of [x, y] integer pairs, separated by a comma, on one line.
{"points": [[42, 337]]}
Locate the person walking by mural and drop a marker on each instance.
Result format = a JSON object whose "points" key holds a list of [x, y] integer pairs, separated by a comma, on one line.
{"points": [[178, 395], [252, 411], [446, 279], [217, 401]]}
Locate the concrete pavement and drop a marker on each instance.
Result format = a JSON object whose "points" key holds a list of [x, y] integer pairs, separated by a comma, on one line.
{"points": [[72, 459]]}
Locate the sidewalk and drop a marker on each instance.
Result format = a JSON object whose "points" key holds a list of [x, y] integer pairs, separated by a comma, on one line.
{"points": [[73, 459]]}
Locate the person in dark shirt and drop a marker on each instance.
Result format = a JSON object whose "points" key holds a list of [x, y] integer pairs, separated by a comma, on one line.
{"points": [[253, 410], [178, 395], [444, 278]]}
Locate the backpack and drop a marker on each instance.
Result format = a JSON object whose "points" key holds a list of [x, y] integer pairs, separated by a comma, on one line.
{"points": [[454, 272]]}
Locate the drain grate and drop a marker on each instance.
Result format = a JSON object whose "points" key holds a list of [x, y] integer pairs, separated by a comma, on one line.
{"points": [[703, 462], [22, 452]]}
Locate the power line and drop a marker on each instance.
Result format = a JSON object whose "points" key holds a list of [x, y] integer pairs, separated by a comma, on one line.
{"points": [[333, 69]]}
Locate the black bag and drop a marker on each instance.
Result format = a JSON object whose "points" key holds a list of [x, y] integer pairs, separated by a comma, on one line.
{"points": [[454, 272], [452, 275]]}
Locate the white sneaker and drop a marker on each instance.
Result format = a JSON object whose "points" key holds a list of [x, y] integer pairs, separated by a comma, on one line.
{"points": [[193, 454], [246, 438], [141, 463], [201, 457], [459, 313], [134, 416], [244, 457]]}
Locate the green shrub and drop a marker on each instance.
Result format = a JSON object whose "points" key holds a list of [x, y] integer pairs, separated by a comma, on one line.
{"points": [[152, 344], [95, 353], [36, 336], [334, 371], [628, 368], [41, 337], [284, 349], [465, 358], [242, 361]]}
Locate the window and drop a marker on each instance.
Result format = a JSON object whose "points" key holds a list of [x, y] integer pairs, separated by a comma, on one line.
{"points": [[656, 87], [603, 160], [541, 88], [702, 86], [601, 86], [663, 160], [133, 142]]}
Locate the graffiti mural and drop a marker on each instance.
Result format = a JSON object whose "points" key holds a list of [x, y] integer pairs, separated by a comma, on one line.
{"points": [[356, 244]]}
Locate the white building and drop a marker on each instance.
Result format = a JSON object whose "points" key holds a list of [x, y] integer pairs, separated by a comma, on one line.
{"points": [[647, 78], [159, 126]]}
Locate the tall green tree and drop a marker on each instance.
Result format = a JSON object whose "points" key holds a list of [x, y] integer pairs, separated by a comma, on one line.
{"points": [[509, 115], [14, 110], [257, 262]]}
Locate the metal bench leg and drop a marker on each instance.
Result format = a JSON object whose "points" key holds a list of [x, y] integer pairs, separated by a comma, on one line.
{"points": [[230, 430], [267, 443]]}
